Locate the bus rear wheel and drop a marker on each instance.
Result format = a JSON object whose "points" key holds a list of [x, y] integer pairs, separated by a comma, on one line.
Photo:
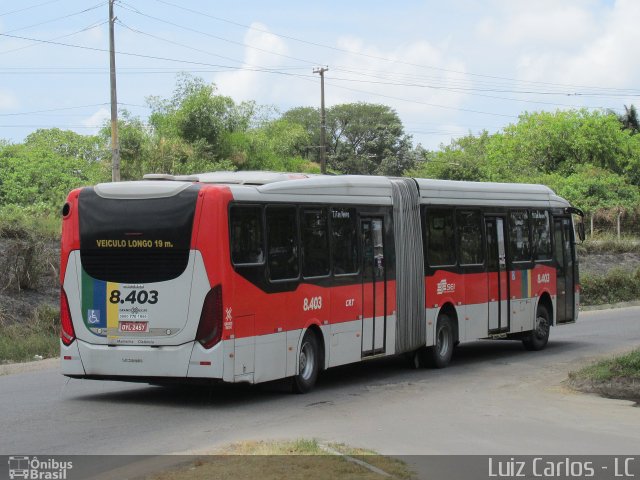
{"points": [[540, 334], [440, 354], [308, 364]]}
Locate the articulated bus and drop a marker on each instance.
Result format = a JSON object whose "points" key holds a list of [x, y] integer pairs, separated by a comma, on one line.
{"points": [[258, 276]]}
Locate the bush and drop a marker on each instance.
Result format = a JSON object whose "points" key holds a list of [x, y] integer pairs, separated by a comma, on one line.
{"points": [[38, 335], [29, 222], [618, 285]]}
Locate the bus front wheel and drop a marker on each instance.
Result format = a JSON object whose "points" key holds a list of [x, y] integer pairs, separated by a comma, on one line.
{"points": [[308, 364], [540, 334]]}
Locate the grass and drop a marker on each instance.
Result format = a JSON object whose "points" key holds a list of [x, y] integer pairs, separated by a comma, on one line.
{"points": [[621, 367], [21, 224], [616, 377], [610, 243], [20, 342], [295, 460], [617, 285]]}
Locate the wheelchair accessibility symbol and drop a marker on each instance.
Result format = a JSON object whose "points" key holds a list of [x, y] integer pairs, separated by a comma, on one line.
{"points": [[93, 317]]}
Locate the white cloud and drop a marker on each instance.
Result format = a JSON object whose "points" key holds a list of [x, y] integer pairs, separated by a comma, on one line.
{"points": [[575, 43], [416, 83], [248, 84], [97, 119], [548, 23]]}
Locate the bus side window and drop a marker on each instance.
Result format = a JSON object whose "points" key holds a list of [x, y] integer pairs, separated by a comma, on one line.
{"points": [[520, 248], [315, 243], [541, 235], [441, 241], [470, 237], [282, 242], [246, 239], [344, 241]]}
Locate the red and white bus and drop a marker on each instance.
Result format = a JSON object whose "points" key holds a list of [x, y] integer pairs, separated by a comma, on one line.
{"points": [[257, 276]]}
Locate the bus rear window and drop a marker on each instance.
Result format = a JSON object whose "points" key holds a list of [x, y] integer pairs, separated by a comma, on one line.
{"points": [[136, 240]]}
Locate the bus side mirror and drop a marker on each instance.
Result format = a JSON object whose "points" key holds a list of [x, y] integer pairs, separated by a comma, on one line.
{"points": [[581, 234], [580, 225]]}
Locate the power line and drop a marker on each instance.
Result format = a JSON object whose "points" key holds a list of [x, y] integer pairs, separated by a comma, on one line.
{"points": [[446, 84], [53, 109], [154, 57], [28, 8], [58, 18], [37, 42], [140, 32], [242, 44], [375, 57]]}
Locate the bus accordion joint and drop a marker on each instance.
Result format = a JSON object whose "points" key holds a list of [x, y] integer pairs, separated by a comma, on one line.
{"points": [[210, 326]]}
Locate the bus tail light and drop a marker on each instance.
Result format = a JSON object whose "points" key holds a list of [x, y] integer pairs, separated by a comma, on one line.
{"points": [[210, 326], [67, 333]]}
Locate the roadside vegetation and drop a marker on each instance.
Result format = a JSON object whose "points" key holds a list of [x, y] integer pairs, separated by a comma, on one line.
{"points": [[299, 459], [615, 286], [616, 377]]}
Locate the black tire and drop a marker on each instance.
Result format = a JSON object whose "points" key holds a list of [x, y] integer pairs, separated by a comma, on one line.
{"points": [[418, 358], [308, 364], [440, 354], [540, 334]]}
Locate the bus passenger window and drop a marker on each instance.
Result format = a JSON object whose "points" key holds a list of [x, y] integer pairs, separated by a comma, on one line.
{"points": [[520, 248], [441, 243], [344, 241], [541, 235], [470, 237], [315, 243], [282, 242], [246, 235]]}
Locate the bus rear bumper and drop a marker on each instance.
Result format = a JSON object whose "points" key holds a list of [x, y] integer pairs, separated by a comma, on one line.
{"points": [[180, 361], [70, 361]]}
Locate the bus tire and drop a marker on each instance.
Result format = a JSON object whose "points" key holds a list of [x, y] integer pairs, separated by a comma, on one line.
{"points": [[440, 354], [540, 334], [308, 364], [418, 358]]}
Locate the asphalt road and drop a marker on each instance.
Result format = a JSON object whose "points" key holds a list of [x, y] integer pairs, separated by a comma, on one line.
{"points": [[495, 398]]}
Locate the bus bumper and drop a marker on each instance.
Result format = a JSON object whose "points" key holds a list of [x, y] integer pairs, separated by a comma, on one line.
{"points": [[70, 361], [180, 361]]}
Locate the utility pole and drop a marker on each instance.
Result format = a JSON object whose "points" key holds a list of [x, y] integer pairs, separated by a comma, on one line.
{"points": [[323, 123], [115, 146]]}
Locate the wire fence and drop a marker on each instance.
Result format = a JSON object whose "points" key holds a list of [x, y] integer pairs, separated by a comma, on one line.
{"points": [[614, 223]]}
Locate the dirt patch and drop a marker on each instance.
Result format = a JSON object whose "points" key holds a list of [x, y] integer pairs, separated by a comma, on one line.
{"points": [[618, 388], [36, 266], [13, 368], [602, 263]]}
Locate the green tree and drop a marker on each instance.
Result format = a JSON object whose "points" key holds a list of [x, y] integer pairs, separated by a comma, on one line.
{"points": [[560, 141], [39, 179], [464, 158], [68, 144], [365, 138], [196, 114], [309, 119], [629, 119]]}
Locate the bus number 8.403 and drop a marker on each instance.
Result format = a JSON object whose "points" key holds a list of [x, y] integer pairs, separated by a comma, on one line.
{"points": [[134, 296]]}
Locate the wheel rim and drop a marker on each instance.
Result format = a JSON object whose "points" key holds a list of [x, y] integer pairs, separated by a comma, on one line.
{"points": [[307, 360], [443, 341], [542, 327]]}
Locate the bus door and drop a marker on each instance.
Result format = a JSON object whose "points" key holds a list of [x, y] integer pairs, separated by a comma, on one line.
{"points": [[497, 275], [565, 275], [373, 286]]}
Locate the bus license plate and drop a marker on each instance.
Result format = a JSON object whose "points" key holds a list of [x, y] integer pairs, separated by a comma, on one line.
{"points": [[134, 326]]}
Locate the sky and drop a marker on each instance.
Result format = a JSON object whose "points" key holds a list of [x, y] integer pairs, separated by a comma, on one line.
{"points": [[447, 68]]}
